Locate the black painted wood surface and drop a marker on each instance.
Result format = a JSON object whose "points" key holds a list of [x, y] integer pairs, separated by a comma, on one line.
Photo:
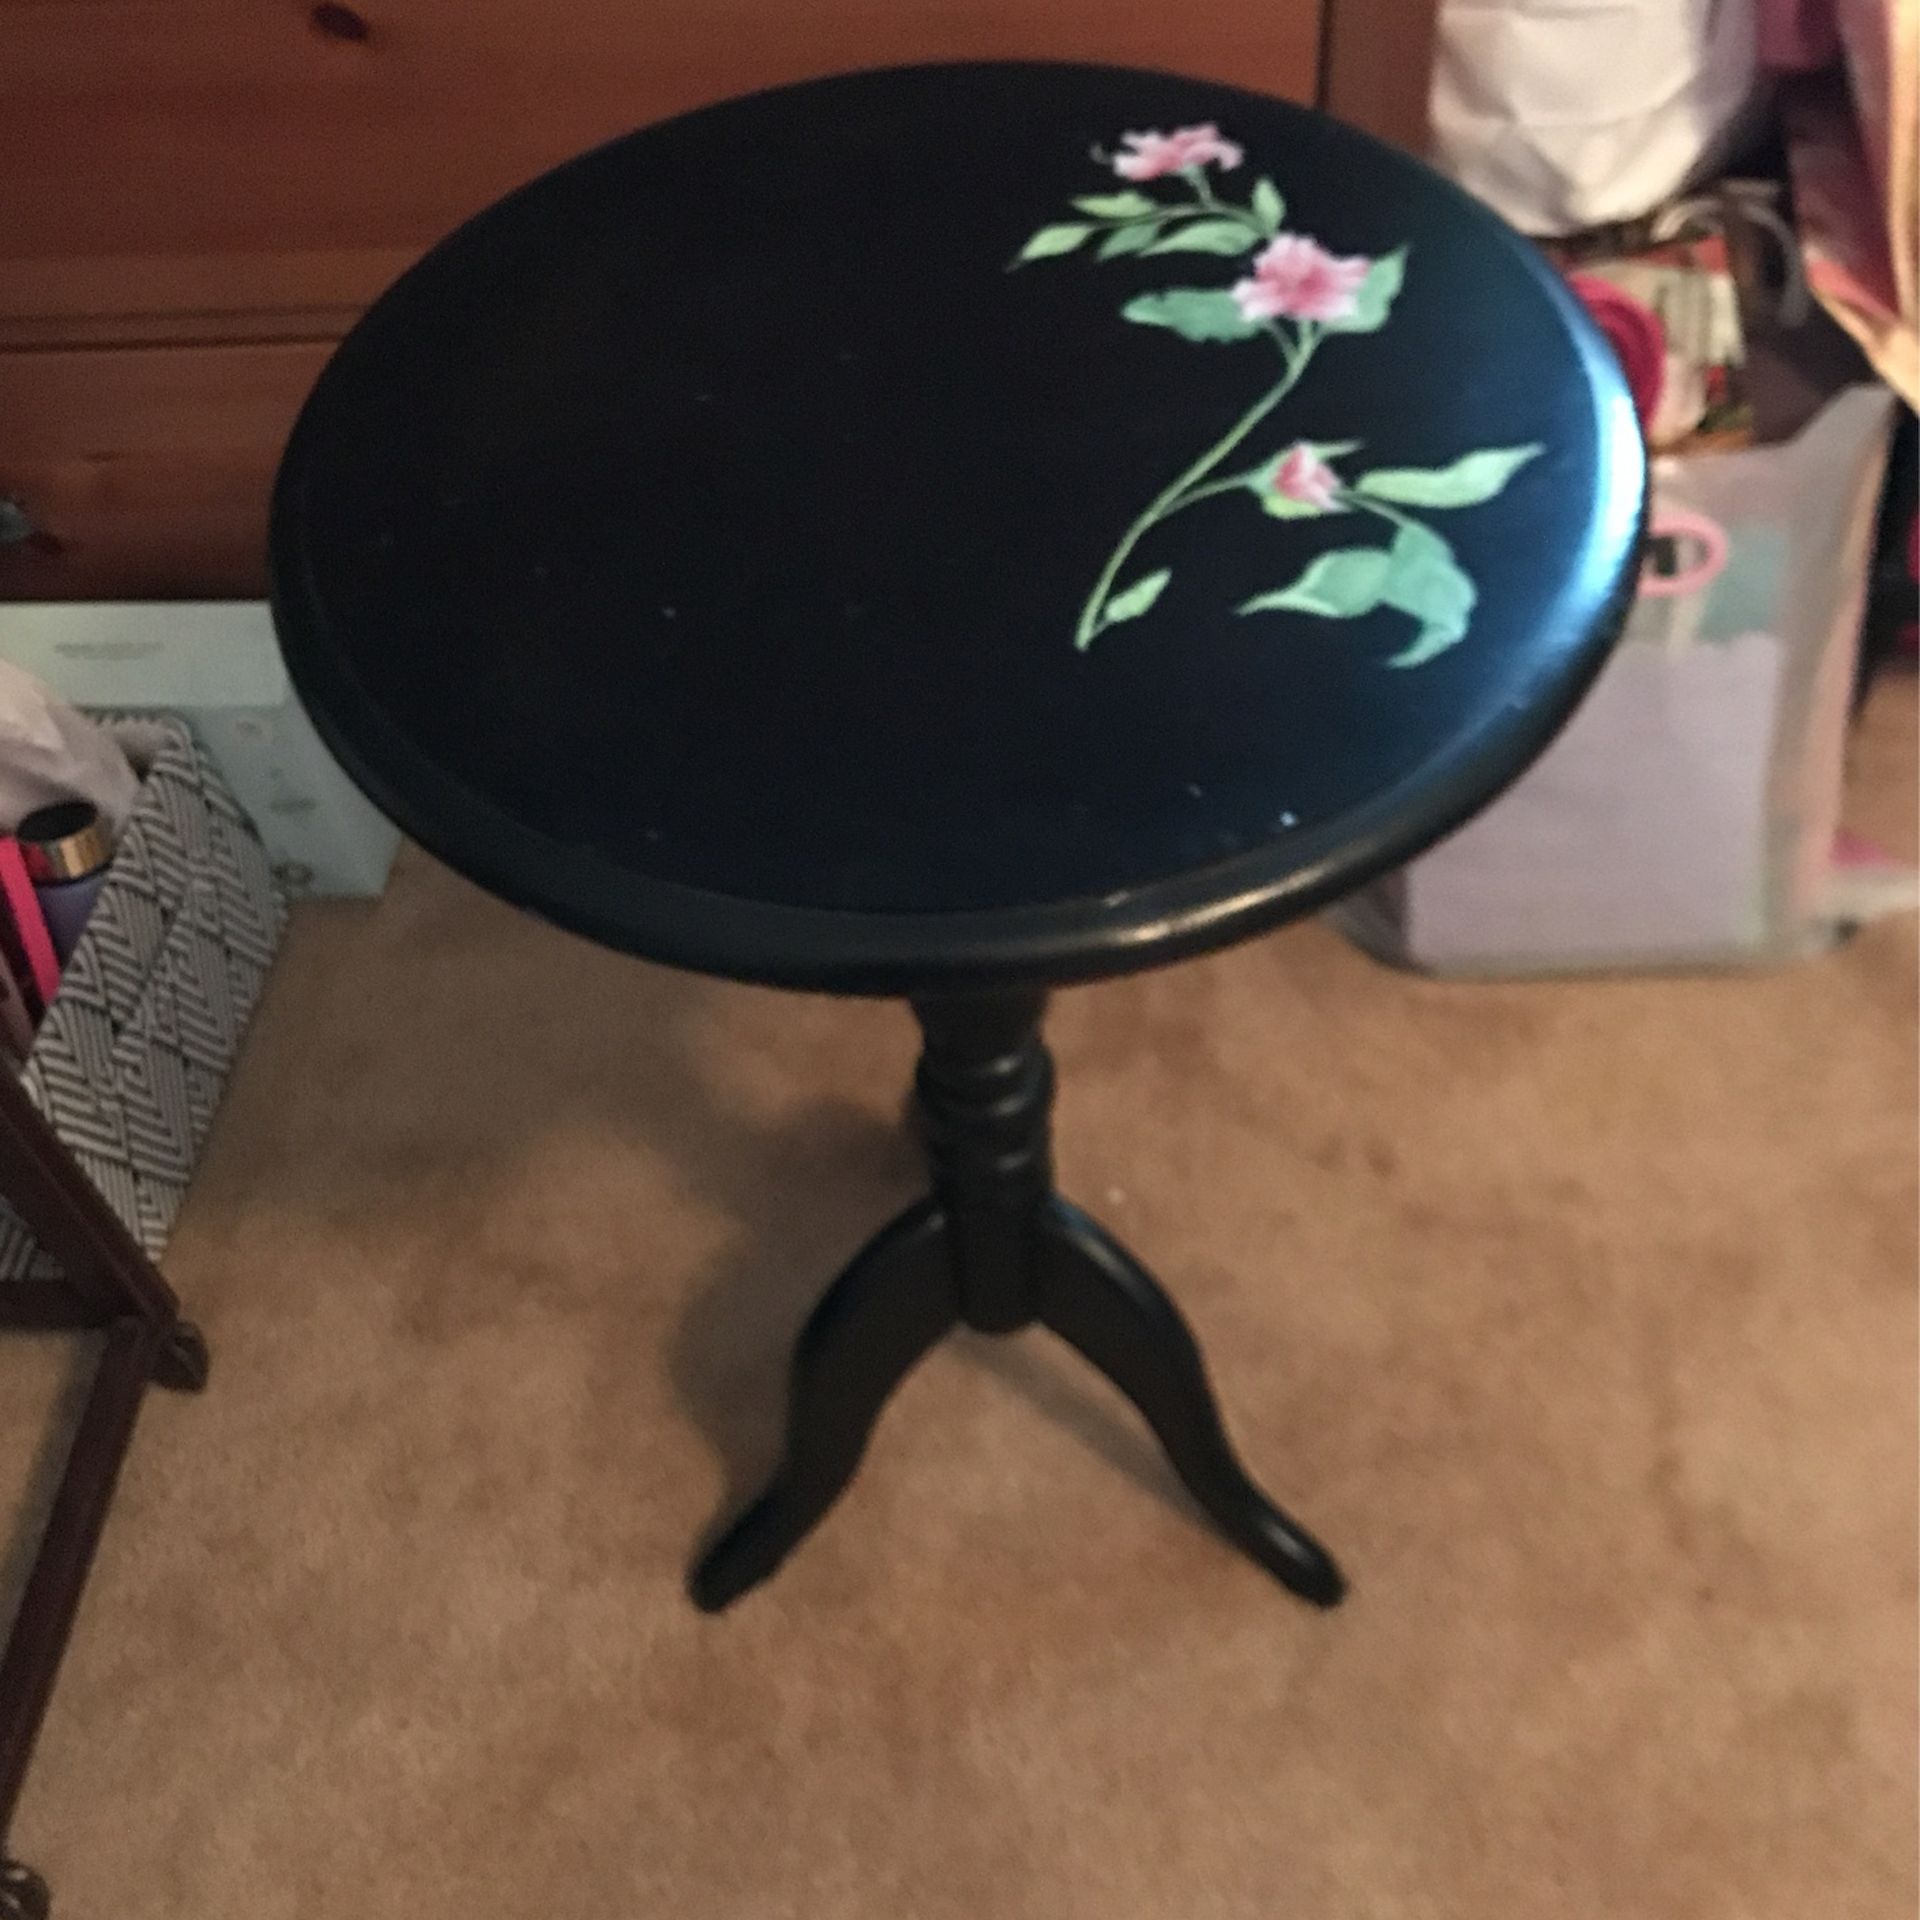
{"points": [[723, 548]]}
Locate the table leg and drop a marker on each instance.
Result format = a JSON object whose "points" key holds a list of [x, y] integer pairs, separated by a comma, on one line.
{"points": [[23, 1894], [863, 1338], [996, 1248], [1103, 1303]]}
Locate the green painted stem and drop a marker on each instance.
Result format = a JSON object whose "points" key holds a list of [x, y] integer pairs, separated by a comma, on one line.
{"points": [[1206, 204], [1369, 505], [1176, 496], [1233, 483], [1212, 204]]}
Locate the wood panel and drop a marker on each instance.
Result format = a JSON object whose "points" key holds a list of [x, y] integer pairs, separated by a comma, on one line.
{"points": [[189, 298], [327, 135], [1376, 67], [145, 471]]}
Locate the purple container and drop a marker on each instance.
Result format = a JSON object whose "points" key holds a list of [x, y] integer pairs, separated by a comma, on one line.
{"points": [[66, 848]]}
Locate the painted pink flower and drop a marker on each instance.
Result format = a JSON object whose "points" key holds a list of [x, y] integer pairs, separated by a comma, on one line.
{"points": [[1302, 475], [1295, 278], [1151, 155]]}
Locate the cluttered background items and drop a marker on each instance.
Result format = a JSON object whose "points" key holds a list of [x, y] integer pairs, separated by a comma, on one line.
{"points": [[1588, 113], [215, 664], [1729, 190]]}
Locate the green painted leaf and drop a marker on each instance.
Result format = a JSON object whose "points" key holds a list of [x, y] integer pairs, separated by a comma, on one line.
{"points": [[1133, 239], [1208, 236], [1116, 206], [1131, 602], [1417, 575], [1375, 299], [1283, 506], [1472, 478], [1434, 637], [1052, 240], [1268, 208], [1340, 585], [1425, 580], [1194, 313]]}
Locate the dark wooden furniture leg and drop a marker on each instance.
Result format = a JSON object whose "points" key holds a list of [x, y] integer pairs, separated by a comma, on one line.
{"points": [[995, 1248], [1100, 1300], [871, 1325], [109, 1286]]}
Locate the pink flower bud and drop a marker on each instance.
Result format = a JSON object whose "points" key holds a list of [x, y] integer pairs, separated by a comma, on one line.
{"points": [[1302, 475]]}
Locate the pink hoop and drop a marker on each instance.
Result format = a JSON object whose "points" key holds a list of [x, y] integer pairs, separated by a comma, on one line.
{"points": [[1679, 522]]}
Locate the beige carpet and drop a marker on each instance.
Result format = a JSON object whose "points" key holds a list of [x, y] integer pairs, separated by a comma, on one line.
{"points": [[1579, 1318]]}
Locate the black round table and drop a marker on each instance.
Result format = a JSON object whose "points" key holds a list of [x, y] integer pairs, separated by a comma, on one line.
{"points": [[952, 532]]}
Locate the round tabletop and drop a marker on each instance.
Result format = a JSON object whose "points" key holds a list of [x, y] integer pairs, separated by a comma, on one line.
{"points": [[956, 526]]}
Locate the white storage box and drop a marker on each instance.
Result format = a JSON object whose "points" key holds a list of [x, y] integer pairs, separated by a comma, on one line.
{"points": [[132, 1057]]}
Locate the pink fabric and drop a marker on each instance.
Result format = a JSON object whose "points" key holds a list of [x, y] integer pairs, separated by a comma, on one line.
{"points": [[1298, 279], [1852, 118], [1841, 217], [1797, 35], [1635, 334], [1866, 37]]}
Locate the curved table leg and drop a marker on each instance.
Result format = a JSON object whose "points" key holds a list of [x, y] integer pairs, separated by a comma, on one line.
{"points": [[23, 1894], [893, 1303], [1100, 1300]]}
